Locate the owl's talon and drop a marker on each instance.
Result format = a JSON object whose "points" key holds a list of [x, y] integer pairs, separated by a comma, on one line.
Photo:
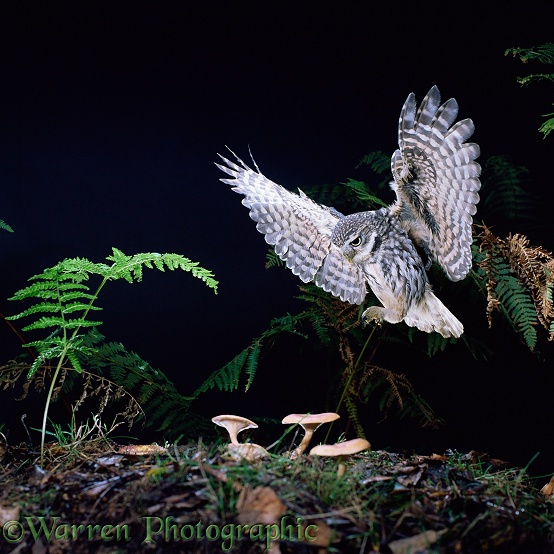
{"points": [[372, 316]]}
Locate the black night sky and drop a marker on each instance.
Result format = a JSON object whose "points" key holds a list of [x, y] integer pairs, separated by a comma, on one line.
{"points": [[110, 120]]}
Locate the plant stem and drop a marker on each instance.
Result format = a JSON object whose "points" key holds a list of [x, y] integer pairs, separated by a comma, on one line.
{"points": [[59, 366], [350, 377], [46, 407]]}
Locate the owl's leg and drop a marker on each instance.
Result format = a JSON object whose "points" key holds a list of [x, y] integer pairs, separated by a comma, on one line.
{"points": [[378, 314]]}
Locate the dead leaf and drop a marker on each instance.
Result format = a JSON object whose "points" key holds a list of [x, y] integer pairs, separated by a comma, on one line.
{"points": [[438, 457], [106, 461], [417, 543], [259, 505], [8, 513], [317, 533], [411, 478], [98, 488], [376, 479]]}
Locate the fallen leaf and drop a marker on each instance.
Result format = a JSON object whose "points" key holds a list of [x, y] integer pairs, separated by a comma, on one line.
{"points": [[411, 478], [259, 505], [107, 461], [98, 488], [319, 533], [376, 479], [8, 513], [417, 543]]}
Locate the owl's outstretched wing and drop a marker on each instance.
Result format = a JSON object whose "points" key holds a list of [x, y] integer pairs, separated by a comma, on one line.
{"points": [[437, 180], [299, 229]]}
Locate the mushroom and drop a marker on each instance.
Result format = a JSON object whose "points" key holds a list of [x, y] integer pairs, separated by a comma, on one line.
{"points": [[248, 451], [309, 422], [234, 425], [341, 451]]}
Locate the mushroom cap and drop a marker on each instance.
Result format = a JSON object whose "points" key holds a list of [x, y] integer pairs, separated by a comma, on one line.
{"points": [[234, 424], [312, 421], [345, 448], [249, 451], [238, 421]]}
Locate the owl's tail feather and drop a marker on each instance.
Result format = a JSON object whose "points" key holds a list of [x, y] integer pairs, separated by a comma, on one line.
{"points": [[430, 314]]}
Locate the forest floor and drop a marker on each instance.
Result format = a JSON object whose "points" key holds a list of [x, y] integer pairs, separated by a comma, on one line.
{"points": [[101, 497]]}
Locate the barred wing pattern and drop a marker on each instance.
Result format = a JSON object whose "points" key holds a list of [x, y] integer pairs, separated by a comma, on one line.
{"points": [[437, 180], [299, 229]]}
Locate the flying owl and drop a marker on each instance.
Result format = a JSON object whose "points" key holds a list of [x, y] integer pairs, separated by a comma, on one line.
{"points": [[436, 181]]}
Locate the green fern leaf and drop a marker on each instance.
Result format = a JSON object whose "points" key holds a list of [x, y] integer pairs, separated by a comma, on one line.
{"points": [[252, 363], [352, 410], [60, 322], [74, 360], [5, 226], [437, 343], [364, 195], [519, 306]]}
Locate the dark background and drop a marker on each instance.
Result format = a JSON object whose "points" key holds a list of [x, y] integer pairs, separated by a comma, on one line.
{"points": [[110, 120]]}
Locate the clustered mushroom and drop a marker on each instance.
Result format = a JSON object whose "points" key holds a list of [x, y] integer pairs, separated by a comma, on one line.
{"points": [[309, 422]]}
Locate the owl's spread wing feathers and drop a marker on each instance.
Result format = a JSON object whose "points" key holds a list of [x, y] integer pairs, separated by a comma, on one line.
{"points": [[437, 180], [299, 229]]}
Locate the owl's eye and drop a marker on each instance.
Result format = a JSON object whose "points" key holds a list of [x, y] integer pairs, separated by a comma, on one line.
{"points": [[356, 242]]}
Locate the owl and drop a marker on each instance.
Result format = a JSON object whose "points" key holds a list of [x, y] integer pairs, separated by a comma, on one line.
{"points": [[436, 181]]}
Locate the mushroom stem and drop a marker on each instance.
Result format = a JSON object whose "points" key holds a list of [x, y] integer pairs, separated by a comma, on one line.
{"points": [[299, 450], [233, 435]]}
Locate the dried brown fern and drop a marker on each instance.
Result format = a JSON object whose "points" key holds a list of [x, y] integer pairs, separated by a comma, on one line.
{"points": [[361, 378], [106, 391], [531, 266]]}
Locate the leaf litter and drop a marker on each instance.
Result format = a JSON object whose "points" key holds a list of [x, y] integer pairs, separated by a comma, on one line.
{"points": [[193, 499]]}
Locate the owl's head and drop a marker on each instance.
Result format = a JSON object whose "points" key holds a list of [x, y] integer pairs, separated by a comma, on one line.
{"points": [[357, 236]]}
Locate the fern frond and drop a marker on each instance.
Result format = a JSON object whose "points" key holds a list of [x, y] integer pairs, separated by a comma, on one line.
{"points": [[163, 405], [354, 417], [504, 198], [47, 289], [518, 279], [320, 326], [273, 259], [61, 322], [130, 268], [548, 126], [544, 54], [437, 343], [74, 360], [379, 163], [252, 363], [5, 226], [364, 194], [393, 388], [227, 377]]}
